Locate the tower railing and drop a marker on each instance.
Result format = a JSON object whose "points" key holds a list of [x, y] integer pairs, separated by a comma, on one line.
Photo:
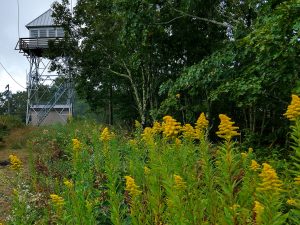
{"points": [[25, 45]]}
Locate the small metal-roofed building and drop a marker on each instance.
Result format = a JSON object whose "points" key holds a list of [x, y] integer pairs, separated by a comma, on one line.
{"points": [[59, 113], [41, 31], [43, 26]]}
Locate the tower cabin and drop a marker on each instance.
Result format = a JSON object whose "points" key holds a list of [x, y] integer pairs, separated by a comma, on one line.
{"points": [[41, 31]]}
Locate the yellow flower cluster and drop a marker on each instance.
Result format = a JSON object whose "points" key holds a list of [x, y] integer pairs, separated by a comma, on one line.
{"points": [[297, 180], [188, 132], [244, 155], [15, 192], [147, 135], [106, 135], [170, 127], [156, 127], [133, 143], [270, 180], [235, 207], [57, 200], [201, 125], [69, 184], [170, 203], [146, 170], [254, 165], [15, 162], [226, 128], [177, 142], [137, 125], [179, 182], [259, 210], [291, 201], [76, 144], [131, 187], [293, 110]]}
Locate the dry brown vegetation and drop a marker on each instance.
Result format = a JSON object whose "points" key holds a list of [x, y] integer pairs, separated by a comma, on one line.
{"points": [[14, 143]]}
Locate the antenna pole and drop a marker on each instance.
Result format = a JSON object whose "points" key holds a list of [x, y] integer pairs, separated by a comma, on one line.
{"points": [[8, 96], [71, 8]]}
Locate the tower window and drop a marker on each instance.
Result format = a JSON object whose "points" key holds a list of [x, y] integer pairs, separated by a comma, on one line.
{"points": [[43, 33], [51, 32], [34, 33], [60, 32]]}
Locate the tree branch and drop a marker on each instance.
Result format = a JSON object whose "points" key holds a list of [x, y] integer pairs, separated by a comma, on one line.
{"points": [[170, 21], [117, 73], [128, 71], [224, 24]]}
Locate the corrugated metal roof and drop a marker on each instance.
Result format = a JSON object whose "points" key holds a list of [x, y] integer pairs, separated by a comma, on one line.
{"points": [[44, 20]]}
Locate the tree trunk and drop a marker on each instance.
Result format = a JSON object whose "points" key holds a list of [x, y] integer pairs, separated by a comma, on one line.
{"points": [[110, 106], [139, 102]]}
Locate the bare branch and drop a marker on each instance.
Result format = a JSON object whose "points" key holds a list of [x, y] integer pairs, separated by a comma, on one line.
{"points": [[117, 73], [224, 24], [170, 21], [128, 71]]}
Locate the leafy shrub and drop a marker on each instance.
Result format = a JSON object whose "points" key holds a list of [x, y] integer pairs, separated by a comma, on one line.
{"points": [[8, 123]]}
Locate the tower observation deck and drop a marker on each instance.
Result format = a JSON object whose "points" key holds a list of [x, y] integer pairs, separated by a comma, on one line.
{"points": [[50, 96]]}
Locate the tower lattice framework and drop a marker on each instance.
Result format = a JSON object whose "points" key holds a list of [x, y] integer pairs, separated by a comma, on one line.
{"points": [[47, 92]]}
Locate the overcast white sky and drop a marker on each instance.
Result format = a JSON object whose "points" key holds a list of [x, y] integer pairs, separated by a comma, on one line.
{"points": [[16, 63]]}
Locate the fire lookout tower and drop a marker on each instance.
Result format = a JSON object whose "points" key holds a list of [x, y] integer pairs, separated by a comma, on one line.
{"points": [[50, 96]]}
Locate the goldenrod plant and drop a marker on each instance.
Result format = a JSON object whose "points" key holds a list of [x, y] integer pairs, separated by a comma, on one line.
{"points": [[15, 162], [229, 169], [169, 173], [293, 114]]}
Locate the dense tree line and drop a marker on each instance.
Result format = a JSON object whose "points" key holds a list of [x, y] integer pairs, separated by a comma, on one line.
{"points": [[14, 104], [147, 58]]}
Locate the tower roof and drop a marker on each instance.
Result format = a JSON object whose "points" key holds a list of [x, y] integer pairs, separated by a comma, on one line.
{"points": [[44, 20]]}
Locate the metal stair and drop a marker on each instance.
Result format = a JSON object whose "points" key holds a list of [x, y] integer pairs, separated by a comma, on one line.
{"points": [[43, 113]]}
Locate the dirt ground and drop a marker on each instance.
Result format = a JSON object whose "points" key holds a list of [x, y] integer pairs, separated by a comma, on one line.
{"points": [[7, 177]]}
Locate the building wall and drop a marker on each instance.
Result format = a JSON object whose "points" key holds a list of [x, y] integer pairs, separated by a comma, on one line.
{"points": [[52, 118]]}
